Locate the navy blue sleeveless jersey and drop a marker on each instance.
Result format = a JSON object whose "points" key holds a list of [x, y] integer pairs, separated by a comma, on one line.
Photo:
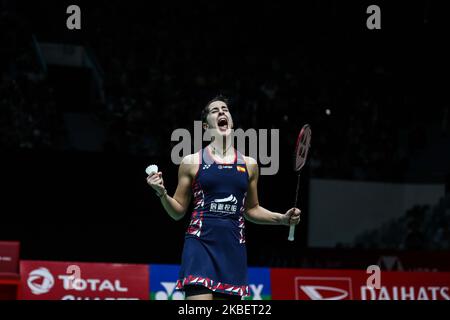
{"points": [[214, 253]]}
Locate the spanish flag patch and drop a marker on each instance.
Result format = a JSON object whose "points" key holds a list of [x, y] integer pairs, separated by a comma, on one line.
{"points": [[240, 168]]}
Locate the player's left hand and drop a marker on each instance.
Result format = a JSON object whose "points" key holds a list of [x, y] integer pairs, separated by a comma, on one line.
{"points": [[291, 217]]}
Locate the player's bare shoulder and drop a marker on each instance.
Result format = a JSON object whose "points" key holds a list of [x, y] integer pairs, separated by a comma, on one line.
{"points": [[252, 166], [250, 160], [190, 163]]}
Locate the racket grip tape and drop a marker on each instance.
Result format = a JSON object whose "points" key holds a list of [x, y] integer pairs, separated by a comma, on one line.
{"points": [[291, 232]]}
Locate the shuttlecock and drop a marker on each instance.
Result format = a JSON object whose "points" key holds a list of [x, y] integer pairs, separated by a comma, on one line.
{"points": [[151, 169]]}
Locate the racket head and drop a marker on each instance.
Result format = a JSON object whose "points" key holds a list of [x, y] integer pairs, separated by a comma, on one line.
{"points": [[302, 147]]}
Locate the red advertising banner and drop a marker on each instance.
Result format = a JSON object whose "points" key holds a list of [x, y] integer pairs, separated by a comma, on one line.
{"points": [[45, 280], [319, 284], [388, 260], [9, 257]]}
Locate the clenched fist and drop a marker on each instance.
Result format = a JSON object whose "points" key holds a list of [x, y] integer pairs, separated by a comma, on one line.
{"points": [[156, 181]]}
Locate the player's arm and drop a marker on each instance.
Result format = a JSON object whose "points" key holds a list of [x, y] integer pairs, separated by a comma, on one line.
{"points": [[177, 205], [256, 213]]}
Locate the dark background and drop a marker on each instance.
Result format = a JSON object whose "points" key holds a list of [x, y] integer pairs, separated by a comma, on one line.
{"points": [[282, 63]]}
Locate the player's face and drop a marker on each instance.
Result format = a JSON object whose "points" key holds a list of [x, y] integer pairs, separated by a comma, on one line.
{"points": [[219, 117]]}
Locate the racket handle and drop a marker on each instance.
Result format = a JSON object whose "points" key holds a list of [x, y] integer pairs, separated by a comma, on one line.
{"points": [[291, 232]]}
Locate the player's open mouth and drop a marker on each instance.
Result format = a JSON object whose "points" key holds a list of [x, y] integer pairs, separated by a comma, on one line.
{"points": [[222, 123]]}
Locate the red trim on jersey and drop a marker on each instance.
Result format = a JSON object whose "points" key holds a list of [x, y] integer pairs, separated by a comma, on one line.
{"points": [[198, 169], [214, 286]]}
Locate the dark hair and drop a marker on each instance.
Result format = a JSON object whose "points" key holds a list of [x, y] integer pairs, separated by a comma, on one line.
{"points": [[205, 109]]}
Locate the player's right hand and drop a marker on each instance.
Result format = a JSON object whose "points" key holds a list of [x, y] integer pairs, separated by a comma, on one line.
{"points": [[155, 180]]}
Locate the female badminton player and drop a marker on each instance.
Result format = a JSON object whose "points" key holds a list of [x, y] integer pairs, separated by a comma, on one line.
{"points": [[223, 183]]}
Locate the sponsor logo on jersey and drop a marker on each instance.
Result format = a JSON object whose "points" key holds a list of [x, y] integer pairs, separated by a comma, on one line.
{"points": [[220, 166], [224, 205]]}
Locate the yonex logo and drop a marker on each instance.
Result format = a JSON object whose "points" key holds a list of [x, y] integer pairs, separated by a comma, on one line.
{"points": [[256, 291], [169, 293]]}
